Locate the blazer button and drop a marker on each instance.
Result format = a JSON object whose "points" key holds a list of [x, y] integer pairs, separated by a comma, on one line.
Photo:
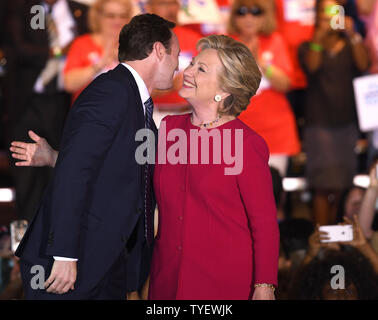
{"points": [[124, 239], [139, 211]]}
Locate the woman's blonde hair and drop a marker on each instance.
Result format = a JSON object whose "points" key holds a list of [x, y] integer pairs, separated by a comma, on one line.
{"points": [[96, 10], [240, 76], [269, 7]]}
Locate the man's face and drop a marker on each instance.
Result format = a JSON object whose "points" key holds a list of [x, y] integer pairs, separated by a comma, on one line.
{"points": [[167, 9], [167, 67]]}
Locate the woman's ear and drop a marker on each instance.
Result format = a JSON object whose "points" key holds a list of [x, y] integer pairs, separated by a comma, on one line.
{"points": [[224, 95]]}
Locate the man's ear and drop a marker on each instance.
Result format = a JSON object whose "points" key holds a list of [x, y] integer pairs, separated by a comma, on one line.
{"points": [[159, 50]]}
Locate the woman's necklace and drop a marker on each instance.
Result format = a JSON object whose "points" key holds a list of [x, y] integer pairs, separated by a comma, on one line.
{"points": [[208, 124]]}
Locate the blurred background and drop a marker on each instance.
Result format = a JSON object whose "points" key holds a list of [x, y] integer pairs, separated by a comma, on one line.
{"points": [[317, 109]]}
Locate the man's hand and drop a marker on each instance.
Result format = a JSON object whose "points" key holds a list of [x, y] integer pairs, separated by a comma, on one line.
{"points": [[38, 154], [263, 293], [62, 277], [133, 296]]}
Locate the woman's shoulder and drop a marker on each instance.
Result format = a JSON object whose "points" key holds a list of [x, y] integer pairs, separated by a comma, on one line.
{"points": [[176, 120], [252, 140]]}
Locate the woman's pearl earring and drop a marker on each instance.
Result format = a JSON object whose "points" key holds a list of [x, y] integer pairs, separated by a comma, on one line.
{"points": [[217, 98]]}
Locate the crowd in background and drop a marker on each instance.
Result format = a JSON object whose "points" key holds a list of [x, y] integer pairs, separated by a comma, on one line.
{"points": [[305, 105]]}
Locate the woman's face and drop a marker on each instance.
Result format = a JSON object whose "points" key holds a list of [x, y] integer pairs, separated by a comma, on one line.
{"points": [[249, 19], [353, 202], [325, 13], [112, 18], [201, 78]]}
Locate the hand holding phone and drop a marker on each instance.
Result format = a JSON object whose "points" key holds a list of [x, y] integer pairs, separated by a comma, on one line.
{"points": [[337, 233]]}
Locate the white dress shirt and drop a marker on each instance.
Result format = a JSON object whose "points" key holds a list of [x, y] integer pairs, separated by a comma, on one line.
{"points": [[143, 91], [145, 95]]}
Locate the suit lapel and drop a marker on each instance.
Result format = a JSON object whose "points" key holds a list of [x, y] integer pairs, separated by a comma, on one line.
{"points": [[139, 106], [138, 100]]}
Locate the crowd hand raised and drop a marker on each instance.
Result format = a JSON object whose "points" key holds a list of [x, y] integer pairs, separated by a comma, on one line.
{"points": [[109, 56], [62, 277], [349, 26], [373, 176], [36, 154], [358, 236], [315, 242]]}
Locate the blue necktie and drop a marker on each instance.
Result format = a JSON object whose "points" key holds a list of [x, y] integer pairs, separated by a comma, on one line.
{"points": [[148, 210]]}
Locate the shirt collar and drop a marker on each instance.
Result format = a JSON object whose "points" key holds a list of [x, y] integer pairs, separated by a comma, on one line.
{"points": [[143, 91]]}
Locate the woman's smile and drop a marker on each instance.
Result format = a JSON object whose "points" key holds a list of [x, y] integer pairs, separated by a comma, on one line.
{"points": [[188, 84]]}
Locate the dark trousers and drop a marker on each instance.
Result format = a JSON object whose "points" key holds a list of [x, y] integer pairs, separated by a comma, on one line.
{"points": [[111, 287], [45, 114]]}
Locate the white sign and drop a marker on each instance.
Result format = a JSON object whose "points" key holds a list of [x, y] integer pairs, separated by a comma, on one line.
{"points": [[199, 11], [302, 11], [366, 95]]}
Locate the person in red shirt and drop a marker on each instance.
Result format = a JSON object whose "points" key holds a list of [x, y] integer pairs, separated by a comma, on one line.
{"points": [[269, 113], [295, 22], [218, 235], [97, 52]]}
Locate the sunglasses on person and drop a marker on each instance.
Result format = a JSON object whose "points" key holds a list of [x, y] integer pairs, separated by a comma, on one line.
{"points": [[255, 11]]}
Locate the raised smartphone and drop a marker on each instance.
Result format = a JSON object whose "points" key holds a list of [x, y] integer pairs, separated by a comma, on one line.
{"points": [[338, 233]]}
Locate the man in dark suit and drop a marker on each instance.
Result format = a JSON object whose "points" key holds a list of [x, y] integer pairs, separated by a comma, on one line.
{"points": [[94, 227], [36, 98]]}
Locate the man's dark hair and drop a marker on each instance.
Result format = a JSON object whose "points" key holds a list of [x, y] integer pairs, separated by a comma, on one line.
{"points": [[139, 35]]}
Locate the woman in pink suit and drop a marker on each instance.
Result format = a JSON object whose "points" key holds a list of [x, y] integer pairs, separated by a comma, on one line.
{"points": [[218, 235]]}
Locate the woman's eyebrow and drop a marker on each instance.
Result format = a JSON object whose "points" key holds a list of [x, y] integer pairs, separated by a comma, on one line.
{"points": [[203, 64]]}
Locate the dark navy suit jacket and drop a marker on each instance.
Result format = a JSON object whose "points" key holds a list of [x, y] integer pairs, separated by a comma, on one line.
{"points": [[94, 203]]}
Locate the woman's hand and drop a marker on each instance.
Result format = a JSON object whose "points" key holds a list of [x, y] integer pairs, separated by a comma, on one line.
{"points": [[349, 26], [359, 239], [38, 154], [367, 209], [263, 293], [315, 244], [110, 55]]}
